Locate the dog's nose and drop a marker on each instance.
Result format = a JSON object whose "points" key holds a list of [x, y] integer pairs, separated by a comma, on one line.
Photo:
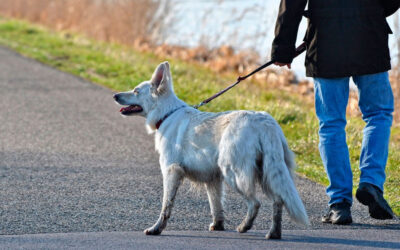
{"points": [[116, 97]]}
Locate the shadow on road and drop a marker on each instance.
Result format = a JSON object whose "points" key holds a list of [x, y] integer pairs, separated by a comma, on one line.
{"points": [[344, 242], [334, 241], [380, 227]]}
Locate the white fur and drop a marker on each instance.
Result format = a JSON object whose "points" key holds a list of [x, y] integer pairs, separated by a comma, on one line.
{"points": [[241, 148]]}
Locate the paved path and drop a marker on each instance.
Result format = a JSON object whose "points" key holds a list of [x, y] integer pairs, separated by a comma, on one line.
{"points": [[70, 163], [294, 239]]}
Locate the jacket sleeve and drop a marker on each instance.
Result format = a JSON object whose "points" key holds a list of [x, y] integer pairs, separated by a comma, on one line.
{"points": [[287, 25]]}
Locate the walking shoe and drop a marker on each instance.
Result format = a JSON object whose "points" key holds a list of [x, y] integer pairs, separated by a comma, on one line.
{"points": [[338, 213], [371, 196]]}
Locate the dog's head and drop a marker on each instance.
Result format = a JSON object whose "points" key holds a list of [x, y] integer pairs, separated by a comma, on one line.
{"points": [[145, 97]]}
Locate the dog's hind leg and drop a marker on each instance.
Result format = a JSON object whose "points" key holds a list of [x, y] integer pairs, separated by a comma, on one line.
{"points": [[172, 178], [215, 195], [276, 228], [252, 210], [245, 186]]}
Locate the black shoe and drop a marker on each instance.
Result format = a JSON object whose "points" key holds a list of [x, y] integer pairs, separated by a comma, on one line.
{"points": [[338, 213], [371, 196]]}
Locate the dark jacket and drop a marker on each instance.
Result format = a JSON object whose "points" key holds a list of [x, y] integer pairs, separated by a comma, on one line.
{"points": [[390, 6], [344, 37]]}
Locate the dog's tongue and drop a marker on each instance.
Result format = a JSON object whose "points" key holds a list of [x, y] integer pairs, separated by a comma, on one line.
{"points": [[123, 109], [130, 108]]}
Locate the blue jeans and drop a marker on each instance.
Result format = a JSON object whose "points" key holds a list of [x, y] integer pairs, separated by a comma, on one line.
{"points": [[376, 105]]}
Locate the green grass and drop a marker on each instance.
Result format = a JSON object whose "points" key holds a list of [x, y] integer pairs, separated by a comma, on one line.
{"points": [[121, 68]]}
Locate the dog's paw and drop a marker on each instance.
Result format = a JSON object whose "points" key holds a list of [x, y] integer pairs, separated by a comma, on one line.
{"points": [[152, 231], [217, 226], [242, 228], [273, 235]]}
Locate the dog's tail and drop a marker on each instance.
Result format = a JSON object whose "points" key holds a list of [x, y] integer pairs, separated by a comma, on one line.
{"points": [[277, 178]]}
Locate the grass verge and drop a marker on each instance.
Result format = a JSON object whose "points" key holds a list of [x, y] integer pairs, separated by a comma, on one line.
{"points": [[121, 68]]}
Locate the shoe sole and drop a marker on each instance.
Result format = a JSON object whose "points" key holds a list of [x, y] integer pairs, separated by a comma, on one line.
{"points": [[375, 210], [338, 222]]}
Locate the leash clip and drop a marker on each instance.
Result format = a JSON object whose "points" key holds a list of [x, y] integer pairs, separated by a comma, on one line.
{"points": [[197, 106]]}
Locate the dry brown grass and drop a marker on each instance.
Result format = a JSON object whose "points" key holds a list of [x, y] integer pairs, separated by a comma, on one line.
{"points": [[125, 21], [121, 21]]}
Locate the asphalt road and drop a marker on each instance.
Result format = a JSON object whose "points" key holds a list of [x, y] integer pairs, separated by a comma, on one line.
{"points": [[70, 163], [294, 239]]}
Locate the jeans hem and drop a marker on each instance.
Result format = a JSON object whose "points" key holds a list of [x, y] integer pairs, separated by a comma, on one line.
{"points": [[369, 181]]}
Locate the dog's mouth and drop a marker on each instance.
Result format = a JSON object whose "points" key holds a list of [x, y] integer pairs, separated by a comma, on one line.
{"points": [[132, 109]]}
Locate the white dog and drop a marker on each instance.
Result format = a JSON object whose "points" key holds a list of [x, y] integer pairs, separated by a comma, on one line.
{"points": [[241, 148]]}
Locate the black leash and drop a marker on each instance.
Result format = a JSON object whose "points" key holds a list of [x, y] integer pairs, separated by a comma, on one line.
{"points": [[299, 50]]}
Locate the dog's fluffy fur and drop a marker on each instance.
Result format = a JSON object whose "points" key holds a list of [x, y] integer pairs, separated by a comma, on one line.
{"points": [[241, 148]]}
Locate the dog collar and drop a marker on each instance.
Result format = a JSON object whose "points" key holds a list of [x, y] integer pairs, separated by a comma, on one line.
{"points": [[158, 124]]}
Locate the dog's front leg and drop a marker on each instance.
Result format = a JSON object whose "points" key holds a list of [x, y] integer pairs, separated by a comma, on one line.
{"points": [[172, 178]]}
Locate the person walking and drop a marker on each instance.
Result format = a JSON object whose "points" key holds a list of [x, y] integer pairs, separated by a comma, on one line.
{"points": [[345, 38]]}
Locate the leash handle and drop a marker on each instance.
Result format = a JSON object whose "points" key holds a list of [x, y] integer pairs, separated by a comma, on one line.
{"points": [[300, 49]]}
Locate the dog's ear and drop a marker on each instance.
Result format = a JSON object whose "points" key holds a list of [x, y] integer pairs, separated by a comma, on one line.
{"points": [[161, 79]]}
